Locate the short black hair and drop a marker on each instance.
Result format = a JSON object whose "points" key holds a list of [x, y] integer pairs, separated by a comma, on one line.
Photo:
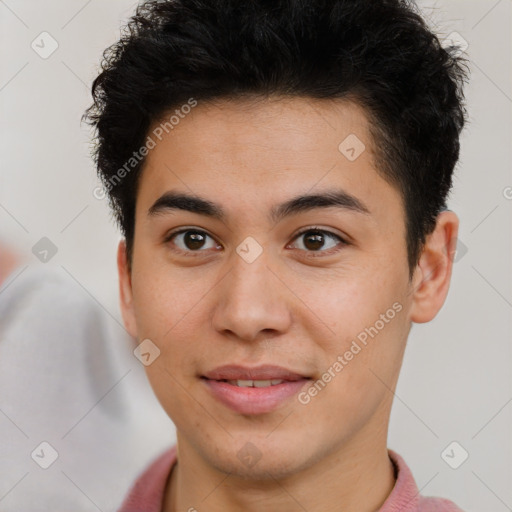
{"points": [[378, 53]]}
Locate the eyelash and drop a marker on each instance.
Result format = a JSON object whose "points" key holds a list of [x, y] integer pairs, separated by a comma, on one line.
{"points": [[313, 254]]}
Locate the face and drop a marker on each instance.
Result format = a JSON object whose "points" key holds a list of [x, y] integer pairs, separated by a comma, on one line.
{"points": [[320, 288]]}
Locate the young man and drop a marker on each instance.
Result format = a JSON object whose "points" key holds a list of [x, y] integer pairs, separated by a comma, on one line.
{"points": [[280, 172]]}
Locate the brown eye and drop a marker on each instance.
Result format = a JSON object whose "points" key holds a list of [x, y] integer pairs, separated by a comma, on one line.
{"points": [[191, 240], [314, 241], [318, 240]]}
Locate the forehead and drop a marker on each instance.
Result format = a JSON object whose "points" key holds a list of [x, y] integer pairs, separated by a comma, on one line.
{"points": [[231, 128], [256, 153]]}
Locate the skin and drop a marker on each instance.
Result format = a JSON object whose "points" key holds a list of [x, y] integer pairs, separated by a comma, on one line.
{"points": [[287, 307]]}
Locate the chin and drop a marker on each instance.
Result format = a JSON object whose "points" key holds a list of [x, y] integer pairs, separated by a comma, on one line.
{"points": [[260, 459]]}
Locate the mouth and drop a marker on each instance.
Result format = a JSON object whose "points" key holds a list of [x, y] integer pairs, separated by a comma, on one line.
{"points": [[252, 391], [253, 383]]}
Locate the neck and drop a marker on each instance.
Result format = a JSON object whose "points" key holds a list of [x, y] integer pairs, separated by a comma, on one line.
{"points": [[354, 478]]}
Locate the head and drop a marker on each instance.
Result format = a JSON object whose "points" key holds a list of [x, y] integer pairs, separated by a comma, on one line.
{"points": [[280, 173]]}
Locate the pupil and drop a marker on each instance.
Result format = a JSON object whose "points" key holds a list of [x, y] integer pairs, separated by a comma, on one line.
{"points": [[194, 240], [317, 239]]}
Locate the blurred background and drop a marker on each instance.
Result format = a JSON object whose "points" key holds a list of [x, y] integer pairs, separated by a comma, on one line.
{"points": [[452, 413]]}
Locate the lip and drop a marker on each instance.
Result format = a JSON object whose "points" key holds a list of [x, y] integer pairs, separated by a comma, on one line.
{"points": [[252, 400], [262, 372]]}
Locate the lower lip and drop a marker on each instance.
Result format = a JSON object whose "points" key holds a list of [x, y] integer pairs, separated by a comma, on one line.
{"points": [[254, 400]]}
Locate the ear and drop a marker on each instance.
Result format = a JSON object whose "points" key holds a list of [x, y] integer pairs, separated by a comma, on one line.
{"points": [[125, 290], [432, 275]]}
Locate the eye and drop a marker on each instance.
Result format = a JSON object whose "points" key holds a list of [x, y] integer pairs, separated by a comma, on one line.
{"points": [[317, 240], [191, 240]]}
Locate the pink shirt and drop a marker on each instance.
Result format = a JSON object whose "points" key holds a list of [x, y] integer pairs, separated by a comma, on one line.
{"points": [[146, 494]]}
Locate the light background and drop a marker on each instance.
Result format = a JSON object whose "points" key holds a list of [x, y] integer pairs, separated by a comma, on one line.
{"points": [[455, 383]]}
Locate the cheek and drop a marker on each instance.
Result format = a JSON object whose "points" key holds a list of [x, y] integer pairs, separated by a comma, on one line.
{"points": [[164, 297], [350, 304], [367, 322], [360, 366], [173, 393]]}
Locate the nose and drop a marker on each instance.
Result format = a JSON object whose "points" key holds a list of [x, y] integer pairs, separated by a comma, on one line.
{"points": [[252, 302]]}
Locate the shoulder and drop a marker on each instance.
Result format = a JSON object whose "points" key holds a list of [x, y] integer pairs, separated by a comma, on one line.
{"points": [[433, 504], [406, 497], [147, 492]]}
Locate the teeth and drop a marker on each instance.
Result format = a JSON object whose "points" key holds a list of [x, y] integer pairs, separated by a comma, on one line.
{"points": [[255, 383]]}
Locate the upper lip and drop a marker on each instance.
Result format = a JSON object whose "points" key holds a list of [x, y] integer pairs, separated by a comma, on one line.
{"points": [[263, 372]]}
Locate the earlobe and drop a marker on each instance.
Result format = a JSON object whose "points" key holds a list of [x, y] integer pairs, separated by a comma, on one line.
{"points": [[125, 290], [433, 272]]}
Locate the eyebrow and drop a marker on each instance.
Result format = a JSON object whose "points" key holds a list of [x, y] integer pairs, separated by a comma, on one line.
{"points": [[173, 200]]}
